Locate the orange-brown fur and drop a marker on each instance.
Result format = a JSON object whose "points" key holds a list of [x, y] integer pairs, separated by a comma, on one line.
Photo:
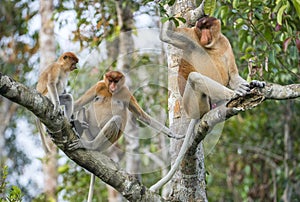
{"points": [[110, 98], [52, 83], [220, 53], [57, 73]]}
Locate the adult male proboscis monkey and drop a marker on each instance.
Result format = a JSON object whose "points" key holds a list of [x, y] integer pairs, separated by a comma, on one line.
{"points": [[107, 115], [52, 83], [206, 70]]}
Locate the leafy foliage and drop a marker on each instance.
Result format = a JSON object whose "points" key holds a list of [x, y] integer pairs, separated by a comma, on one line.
{"points": [[269, 46], [17, 43], [248, 162], [14, 193]]}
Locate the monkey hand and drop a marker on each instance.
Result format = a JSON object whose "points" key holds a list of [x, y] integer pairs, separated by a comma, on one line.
{"points": [[75, 144], [79, 126], [243, 89], [259, 84]]}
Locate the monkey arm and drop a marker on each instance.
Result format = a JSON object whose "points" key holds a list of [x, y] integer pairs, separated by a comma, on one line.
{"points": [[176, 36], [52, 91], [140, 114], [182, 38], [86, 98]]}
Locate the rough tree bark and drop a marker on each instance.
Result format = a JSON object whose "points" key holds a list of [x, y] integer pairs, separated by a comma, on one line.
{"points": [[188, 184], [47, 56]]}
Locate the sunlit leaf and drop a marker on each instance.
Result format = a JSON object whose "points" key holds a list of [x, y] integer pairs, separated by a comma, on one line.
{"points": [[296, 4], [164, 19], [280, 13], [63, 169], [209, 7], [235, 3]]}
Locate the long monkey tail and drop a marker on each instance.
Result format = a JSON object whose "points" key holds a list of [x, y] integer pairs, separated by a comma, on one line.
{"points": [[42, 131], [91, 189], [185, 145]]}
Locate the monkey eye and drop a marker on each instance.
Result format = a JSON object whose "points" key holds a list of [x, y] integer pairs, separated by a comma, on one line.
{"points": [[113, 81], [65, 57]]}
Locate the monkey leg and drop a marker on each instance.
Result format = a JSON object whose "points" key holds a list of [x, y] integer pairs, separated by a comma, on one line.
{"points": [[104, 139], [199, 89], [67, 101]]}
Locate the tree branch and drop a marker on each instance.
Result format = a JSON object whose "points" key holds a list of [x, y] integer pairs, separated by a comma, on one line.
{"points": [[62, 133], [237, 104]]}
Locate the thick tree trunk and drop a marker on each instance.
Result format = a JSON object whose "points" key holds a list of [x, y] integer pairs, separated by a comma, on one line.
{"points": [[47, 56], [188, 184]]}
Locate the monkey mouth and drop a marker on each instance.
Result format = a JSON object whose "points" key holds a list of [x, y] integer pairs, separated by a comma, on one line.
{"points": [[73, 67]]}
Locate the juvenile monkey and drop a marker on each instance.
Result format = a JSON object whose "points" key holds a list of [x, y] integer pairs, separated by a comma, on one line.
{"points": [[206, 70], [52, 83], [107, 115]]}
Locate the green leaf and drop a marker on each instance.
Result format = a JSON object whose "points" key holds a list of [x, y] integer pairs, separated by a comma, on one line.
{"points": [[175, 21], [164, 19], [272, 56], [63, 169], [280, 13], [209, 7], [235, 4], [181, 19], [171, 2], [297, 6]]}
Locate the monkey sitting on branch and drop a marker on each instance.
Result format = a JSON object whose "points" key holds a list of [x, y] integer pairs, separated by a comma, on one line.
{"points": [[107, 115], [52, 83], [207, 76]]}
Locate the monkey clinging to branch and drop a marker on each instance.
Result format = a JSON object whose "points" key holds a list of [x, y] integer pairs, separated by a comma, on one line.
{"points": [[207, 66], [110, 100], [107, 115], [206, 70], [52, 83]]}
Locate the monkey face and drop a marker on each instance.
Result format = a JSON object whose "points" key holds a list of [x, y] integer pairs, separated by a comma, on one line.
{"points": [[114, 80], [70, 60], [73, 66], [208, 30]]}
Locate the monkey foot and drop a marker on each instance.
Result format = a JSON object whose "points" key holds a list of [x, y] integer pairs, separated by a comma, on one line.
{"points": [[248, 101]]}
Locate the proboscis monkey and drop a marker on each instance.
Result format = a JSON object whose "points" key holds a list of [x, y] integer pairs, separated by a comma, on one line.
{"points": [[52, 83], [206, 70], [107, 115]]}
